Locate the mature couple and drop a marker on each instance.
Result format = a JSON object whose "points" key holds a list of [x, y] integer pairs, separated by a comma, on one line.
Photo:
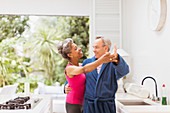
{"points": [[92, 85]]}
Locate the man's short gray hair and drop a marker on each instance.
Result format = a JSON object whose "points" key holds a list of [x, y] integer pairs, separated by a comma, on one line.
{"points": [[106, 41]]}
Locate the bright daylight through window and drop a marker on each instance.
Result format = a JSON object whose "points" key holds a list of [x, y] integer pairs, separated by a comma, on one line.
{"points": [[29, 47]]}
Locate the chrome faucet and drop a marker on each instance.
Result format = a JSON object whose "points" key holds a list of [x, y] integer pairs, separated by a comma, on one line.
{"points": [[157, 98]]}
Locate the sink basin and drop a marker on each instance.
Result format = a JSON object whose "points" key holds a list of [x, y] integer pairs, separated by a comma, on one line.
{"points": [[133, 102]]}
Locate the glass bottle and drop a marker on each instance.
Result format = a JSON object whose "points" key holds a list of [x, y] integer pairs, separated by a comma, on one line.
{"points": [[164, 101]]}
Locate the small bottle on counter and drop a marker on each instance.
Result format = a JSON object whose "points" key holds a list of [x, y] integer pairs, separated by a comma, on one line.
{"points": [[164, 101]]}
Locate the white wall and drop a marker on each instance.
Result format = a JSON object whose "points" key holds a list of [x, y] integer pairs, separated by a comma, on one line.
{"points": [[149, 50], [45, 7]]}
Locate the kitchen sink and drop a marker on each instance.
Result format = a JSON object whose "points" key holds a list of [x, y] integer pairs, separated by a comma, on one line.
{"points": [[133, 102]]}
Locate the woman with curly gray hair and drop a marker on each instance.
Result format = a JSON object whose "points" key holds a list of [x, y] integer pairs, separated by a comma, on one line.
{"points": [[75, 73]]}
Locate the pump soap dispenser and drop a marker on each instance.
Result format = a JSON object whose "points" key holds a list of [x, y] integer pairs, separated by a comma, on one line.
{"points": [[164, 101]]}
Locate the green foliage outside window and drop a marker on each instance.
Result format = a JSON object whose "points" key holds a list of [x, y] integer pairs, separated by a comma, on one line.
{"points": [[41, 45], [48, 34], [76, 28], [12, 26]]}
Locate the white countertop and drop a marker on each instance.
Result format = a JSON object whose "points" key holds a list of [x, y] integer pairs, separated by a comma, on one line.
{"points": [[59, 105], [44, 106], [153, 108]]}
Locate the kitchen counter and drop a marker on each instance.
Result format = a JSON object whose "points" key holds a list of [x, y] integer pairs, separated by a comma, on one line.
{"points": [[43, 106], [152, 108], [59, 103]]}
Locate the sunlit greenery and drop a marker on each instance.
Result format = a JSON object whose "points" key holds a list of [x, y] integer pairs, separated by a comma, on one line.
{"points": [[44, 42], [76, 28], [38, 47], [12, 26]]}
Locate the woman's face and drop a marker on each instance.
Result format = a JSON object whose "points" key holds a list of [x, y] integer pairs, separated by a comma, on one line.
{"points": [[76, 51]]}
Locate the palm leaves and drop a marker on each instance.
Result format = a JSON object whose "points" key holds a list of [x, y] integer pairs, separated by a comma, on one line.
{"points": [[43, 49]]}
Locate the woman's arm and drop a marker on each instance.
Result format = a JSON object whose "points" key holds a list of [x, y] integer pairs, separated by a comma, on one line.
{"points": [[76, 70]]}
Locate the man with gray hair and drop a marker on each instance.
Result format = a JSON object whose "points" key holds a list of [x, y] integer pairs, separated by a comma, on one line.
{"points": [[101, 83]]}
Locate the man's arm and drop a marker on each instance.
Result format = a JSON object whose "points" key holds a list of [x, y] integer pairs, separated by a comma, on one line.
{"points": [[66, 82], [122, 68]]}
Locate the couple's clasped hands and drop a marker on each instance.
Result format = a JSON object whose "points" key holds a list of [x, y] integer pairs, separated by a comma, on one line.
{"points": [[111, 57]]}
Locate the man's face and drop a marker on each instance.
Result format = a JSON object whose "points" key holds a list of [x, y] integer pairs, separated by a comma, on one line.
{"points": [[99, 49]]}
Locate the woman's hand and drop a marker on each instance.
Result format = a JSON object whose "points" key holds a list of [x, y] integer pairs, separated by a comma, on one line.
{"points": [[114, 57]]}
